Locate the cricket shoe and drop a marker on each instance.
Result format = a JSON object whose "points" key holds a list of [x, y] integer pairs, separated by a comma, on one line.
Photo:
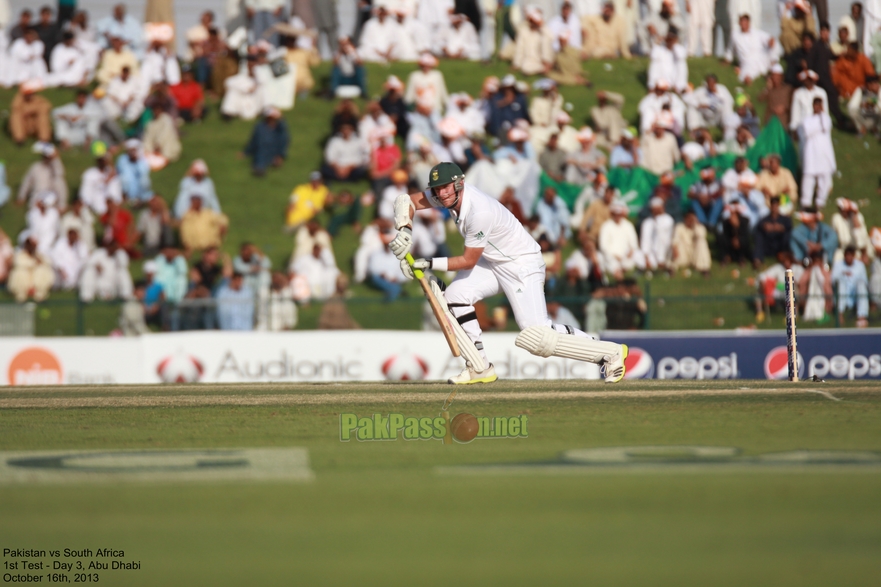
{"points": [[469, 376], [613, 367]]}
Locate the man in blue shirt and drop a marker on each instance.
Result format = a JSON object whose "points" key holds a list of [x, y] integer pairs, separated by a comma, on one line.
{"points": [[235, 305], [812, 235], [134, 173], [852, 285]]}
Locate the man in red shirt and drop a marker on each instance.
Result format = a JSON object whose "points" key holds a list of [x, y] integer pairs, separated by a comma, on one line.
{"points": [[189, 96]]}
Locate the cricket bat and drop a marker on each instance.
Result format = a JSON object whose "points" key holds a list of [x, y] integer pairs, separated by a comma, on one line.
{"points": [[436, 309]]}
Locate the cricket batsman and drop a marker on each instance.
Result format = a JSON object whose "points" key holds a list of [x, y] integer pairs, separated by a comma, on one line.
{"points": [[499, 256]]}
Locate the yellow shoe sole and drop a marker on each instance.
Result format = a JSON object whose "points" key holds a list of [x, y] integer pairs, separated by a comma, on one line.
{"points": [[489, 379], [624, 351]]}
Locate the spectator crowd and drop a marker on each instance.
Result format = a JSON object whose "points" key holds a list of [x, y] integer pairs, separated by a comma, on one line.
{"points": [[564, 180]]}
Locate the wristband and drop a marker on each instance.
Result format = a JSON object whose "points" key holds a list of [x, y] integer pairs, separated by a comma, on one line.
{"points": [[440, 263]]}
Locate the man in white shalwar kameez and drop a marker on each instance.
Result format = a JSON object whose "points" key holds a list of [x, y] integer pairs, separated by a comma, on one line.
{"points": [[709, 105], [413, 39], [655, 102], [656, 236], [803, 99], [69, 67], [68, 255], [106, 275], [99, 184], [462, 41], [244, 97], [619, 250], [26, 60], [43, 221], [818, 156], [566, 22], [668, 61], [76, 123], [124, 98], [756, 51], [435, 16], [378, 37], [737, 8], [426, 84]]}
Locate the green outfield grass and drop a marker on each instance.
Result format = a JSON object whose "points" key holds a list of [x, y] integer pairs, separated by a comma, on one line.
{"points": [[256, 207], [380, 513]]}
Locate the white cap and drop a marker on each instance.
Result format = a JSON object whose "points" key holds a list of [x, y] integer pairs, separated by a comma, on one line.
{"points": [[626, 134], [517, 134], [47, 197], [777, 68], [563, 118], [393, 82], [271, 112], [199, 166], [656, 202], [662, 84], [32, 85], [43, 148], [509, 80], [348, 92], [132, 144], [585, 134], [450, 128], [808, 73], [150, 267], [427, 60], [618, 207], [544, 84]]}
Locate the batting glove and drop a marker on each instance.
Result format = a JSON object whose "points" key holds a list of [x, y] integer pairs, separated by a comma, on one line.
{"points": [[402, 243], [420, 264]]}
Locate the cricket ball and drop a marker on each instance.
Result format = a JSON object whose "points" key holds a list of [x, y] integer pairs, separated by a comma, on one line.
{"points": [[464, 428]]}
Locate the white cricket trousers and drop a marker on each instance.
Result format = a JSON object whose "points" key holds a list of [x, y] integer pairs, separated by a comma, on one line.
{"points": [[701, 22], [522, 280], [823, 181]]}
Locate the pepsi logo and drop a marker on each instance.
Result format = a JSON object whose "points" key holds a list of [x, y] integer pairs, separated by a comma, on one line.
{"points": [[639, 364], [777, 364]]}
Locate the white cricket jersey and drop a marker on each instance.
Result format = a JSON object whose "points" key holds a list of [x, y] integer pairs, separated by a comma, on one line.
{"points": [[484, 223]]}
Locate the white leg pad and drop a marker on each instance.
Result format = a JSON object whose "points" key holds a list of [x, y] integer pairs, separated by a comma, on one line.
{"points": [[547, 342], [466, 345]]}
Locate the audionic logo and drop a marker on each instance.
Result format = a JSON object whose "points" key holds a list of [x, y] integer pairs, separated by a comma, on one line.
{"points": [[35, 366]]}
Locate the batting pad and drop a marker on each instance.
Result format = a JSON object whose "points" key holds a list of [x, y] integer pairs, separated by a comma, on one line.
{"points": [[547, 342], [466, 345]]}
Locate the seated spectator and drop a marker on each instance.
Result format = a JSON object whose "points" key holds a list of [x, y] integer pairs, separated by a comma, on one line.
{"points": [[392, 103], [189, 97], [709, 105], [106, 275], [778, 95], [119, 227], [308, 236], [334, 314], [68, 256], [656, 237], [567, 69], [371, 240], [812, 236], [874, 284], [583, 271], [851, 71], [31, 275], [771, 284], [201, 227], [559, 314], [597, 213], [78, 217], [161, 140], [706, 198], [200, 312], [348, 69], [606, 35], [607, 118], [627, 153], [777, 181], [43, 221], [385, 158], [77, 123], [742, 142], [509, 200], [132, 315], [739, 184], [385, 206], [29, 115], [815, 295], [461, 39], [123, 97], [583, 165], [864, 107], [255, 266], [153, 298], [244, 96], [269, 143], [158, 66], [852, 287], [320, 271], [850, 227], [619, 250], [533, 47], [196, 182], [121, 25], [45, 175], [660, 150], [25, 59], [553, 160], [235, 304], [661, 105], [794, 27], [345, 157], [754, 49], [670, 193], [344, 210], [304, 59], [773, 233], [734, 240], [427, 85], [690, 247], [306, 201], [114, 60], [69, 65], [100, 183], [134, 173], [554, 216], [154, 227], [6, 254], [668, 61], [505, 107], [378, 37], [384, 272]]}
